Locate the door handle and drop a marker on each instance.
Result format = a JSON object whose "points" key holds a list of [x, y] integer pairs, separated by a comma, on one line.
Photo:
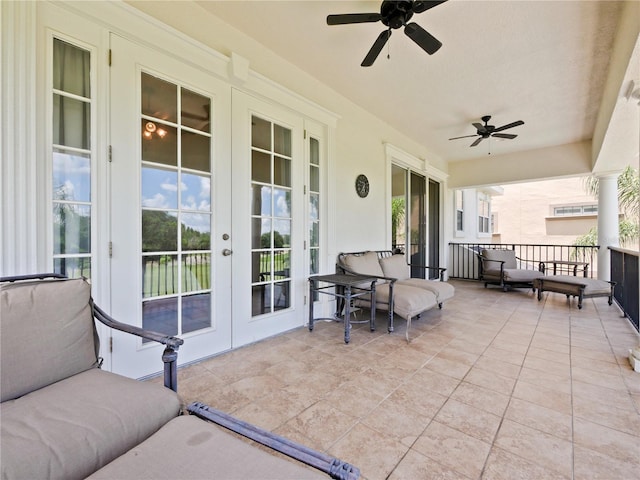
{"points": [[226, 252]]}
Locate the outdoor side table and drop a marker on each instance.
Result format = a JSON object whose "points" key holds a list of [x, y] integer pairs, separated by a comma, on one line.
{"points": [[568, 265], [342, 287]]}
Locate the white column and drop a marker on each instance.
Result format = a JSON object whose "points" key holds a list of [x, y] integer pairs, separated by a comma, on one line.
{"points": [[18, 185], [608, 234]]}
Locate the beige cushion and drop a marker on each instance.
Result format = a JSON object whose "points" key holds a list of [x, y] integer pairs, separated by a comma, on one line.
{"points": [[396, 266], [365, 264], [48, 334], [407, 301], [596, 287], [507, 256], [442, 290], [190, 448], [592, 286], [521, 275], [410, 301], [72, 428]]}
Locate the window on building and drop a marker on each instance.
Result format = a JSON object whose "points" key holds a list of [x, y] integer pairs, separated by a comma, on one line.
{"points": [[574, 210], [459, 200], [484, 218]]}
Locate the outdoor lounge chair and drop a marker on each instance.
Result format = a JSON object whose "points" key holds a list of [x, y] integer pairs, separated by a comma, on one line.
{"points": [[396, 291], [64, 417], [500, 267]]}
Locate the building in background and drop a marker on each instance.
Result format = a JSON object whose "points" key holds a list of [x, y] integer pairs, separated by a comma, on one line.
{"points": [[548, 212]]}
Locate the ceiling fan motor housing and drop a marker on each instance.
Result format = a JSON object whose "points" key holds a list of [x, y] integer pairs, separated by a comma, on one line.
{"points": [[488, 129], [396, 14]]}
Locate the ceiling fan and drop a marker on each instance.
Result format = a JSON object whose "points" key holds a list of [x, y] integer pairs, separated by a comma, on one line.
{"points": [[393, 14], [486, 131]]}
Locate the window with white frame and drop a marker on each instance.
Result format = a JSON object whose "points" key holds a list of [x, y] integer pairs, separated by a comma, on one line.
{"points": [[574, 210], [71, 159], [459, 205], [314, 206], [484, 213]]}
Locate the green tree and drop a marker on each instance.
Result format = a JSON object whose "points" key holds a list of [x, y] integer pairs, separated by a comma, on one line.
{"points": [[159, 231], [629, 203], [194, 240], [397, 216]]}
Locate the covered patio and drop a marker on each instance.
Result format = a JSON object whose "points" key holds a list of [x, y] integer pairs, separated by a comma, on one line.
{"points": [[495, 385]]}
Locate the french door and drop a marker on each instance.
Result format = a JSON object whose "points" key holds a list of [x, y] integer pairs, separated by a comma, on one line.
{"points": [[409, 216], [207, 210], [170, 190], [268, 208]]}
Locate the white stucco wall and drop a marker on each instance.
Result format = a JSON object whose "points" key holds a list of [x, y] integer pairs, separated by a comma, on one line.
{"points": [[356, 144], [359, 140]]}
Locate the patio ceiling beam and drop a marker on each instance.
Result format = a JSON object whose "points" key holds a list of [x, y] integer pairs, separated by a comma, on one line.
{"points": [[540, 164]]}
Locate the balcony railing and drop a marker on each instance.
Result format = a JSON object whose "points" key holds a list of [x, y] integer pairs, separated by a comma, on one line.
{"points": [[625, 266], [463, 261], [624, 271]]}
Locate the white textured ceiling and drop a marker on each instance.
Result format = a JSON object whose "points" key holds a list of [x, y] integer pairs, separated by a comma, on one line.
{"points": [[543, 62]]}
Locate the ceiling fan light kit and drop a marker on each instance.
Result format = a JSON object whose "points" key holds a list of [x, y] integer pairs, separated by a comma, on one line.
{"points": [[393, 14]]}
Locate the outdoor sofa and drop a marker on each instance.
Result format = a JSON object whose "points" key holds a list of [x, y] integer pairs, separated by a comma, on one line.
{"points": [[63, 417], [396, 291]]}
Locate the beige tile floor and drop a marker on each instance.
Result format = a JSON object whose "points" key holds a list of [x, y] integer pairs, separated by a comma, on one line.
{"points": [[494, 386]]}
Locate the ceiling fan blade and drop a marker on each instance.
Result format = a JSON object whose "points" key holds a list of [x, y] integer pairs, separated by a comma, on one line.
{"points": [[376, 48], [479, 127], [424, 39], [346, 18], [510, 136], [465, 136], [509, 125], [420, 6], [477, 142]]}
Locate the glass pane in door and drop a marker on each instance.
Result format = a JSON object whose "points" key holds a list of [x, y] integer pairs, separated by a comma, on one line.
{"points": [[271, 217], [176, 207], [398, 207], [71, 153], [434, 227], [314, 206], [418, 224]]}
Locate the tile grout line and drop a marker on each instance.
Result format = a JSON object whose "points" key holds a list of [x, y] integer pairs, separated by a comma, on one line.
{"points": [[637, 408], [573, 443], [493, 442], [448, 398]]}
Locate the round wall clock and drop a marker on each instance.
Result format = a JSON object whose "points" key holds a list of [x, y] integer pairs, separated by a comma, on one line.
{"points": [[362, 185]]}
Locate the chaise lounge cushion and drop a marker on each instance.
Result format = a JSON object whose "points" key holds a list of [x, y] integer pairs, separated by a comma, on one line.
{"points": [[190, 448], [396, 266], [75, 426], [58, 311], [365, 264], [519, 275], [564, 283], [492, 259], [408, 301]]}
